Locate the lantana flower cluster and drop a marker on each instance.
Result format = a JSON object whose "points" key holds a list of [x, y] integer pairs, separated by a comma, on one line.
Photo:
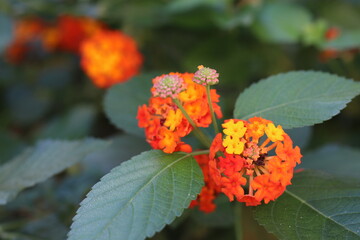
{"points": [[107, 56], [251, 161], [110, 57], [65, 34], [255, 156], [163, 120]]}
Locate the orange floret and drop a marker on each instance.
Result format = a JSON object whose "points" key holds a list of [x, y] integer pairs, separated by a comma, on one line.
{"points": [[243, 162], [110, 57]]}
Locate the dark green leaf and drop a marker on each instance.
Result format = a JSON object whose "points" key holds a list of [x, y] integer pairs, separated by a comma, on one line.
{"points": [[300, 136], [346, 40], [339, 160], [138, 198], [122, 101], [27, 104], [316, 206], [36, 164], [187, 5], [281, 22], [10, 145], [223, 216], [75, 124], [6, 26], [296, 99], [121, 149]]}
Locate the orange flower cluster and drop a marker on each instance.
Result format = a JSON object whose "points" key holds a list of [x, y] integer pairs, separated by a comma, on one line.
{"points": [[72, 31], [110, 57], [27, 32], [205, 200], [66, 34], [241, 157], [164, 122]]}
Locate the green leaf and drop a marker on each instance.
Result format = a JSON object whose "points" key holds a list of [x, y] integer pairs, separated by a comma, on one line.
{"points": [[314, 33], [10, 145], [122, 101], [137, 198], [300, 136], [281, 22], [296, 99], [177, 6], [346, 40], [75, 124], [6, 26], [27, 103], [338, 160], [223, 216], [38, 163], [316, 206]]}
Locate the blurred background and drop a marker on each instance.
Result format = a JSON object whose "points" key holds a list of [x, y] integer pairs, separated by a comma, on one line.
{"points": [[46, 91]]}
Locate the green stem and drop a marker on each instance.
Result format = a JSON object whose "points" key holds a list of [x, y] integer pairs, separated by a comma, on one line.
{"points": [[198, 133], [211, 109], [238, 222], [199, 152]]}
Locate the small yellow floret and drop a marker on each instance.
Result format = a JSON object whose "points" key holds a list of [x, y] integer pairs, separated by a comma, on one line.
{"points": [[233, 145], [233, 129], [274, 133], [173, 119]]}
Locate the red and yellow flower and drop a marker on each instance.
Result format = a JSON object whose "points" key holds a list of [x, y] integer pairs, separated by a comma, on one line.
{"points": [[164, 122], [253, 160], [110, 57]]}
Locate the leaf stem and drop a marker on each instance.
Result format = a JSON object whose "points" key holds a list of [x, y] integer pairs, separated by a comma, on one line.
{"points": [[211, 109], [201, 152], [198, 133]]}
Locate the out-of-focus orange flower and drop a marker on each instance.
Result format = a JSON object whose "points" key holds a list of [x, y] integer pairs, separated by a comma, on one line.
{"points": [[26, 32], [66, 34], [332, 33], [72, 31], [241, 158], [28, 28], [330, 53], [110, 57], [163, 113]]}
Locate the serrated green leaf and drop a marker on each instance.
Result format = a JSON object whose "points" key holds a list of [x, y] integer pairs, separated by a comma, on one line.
{"points": [[296, 99], [122, 101], [335, 159], [316, 206], [281, 22], [40, 162], [137, 198]]}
